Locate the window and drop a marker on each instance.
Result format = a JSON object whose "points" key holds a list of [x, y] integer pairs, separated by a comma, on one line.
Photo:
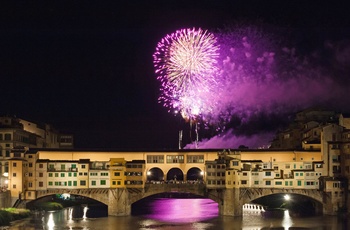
{"points": [[41, 166], [93, 183], [116, 173], [175, 159], [256, 182], [234, 163], [41, 184], [267, 173], [267, 182], [155, 159], [82, 182], [62, 174], [195, 159], [14, 174], [30, 165], [83, 166], [14, 164], [7, 136], [30, 185], [278, 183], [41, 174], [50, 174], [50, 183], [103, 182]]}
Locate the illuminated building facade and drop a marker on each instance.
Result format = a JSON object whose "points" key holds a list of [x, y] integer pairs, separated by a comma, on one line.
{"points": [[321, 164]]}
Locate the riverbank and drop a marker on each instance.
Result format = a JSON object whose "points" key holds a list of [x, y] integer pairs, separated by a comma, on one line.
{"points": [[7, 215]]}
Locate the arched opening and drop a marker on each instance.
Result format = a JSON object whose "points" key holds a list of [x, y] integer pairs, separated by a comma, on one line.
{"points": [[174, 175], [296, 204], [155, 175], [194, 174], [66, 200]]}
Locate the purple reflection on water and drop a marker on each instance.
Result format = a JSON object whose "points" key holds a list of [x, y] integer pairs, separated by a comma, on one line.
{"points": [[183, 210]]}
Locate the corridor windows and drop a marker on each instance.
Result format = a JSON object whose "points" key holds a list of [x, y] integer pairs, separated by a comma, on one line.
{"points": [[155, 159], [195, 159], [175, 159]]}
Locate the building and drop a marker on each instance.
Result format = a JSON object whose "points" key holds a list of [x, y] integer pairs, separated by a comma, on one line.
{"points": [[17, 134], [322, 162]]}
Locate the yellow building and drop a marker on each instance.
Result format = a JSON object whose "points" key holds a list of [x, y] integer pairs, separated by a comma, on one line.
{"points": [[117, 168]]}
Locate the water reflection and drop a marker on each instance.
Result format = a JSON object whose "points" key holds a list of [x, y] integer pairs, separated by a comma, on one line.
{"points": [[50, 222], [171, 214], [287, 221], [182, 210]]}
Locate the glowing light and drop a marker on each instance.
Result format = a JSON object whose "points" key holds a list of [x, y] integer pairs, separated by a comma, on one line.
{"points": [[85, 211], [185, 62], [70, 213], [287, 197], [51, 222]]}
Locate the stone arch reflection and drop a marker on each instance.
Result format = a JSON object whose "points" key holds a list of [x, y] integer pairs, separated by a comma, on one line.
{"points": [[155, 174], [175, 174]]}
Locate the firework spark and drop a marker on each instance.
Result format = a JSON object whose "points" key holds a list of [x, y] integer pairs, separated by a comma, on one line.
{"points": [[185, 62]]}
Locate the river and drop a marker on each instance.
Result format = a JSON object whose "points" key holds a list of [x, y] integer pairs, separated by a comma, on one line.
{"points": [[171, 214]]}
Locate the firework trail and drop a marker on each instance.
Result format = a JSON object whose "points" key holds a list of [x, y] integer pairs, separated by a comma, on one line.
{"points": [[185, 62]]}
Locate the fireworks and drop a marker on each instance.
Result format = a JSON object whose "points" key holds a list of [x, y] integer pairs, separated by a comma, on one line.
{"points": [[185, 62]]}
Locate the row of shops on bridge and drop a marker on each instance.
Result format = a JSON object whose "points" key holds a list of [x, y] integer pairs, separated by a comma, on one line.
{"points": [[223, 169]]}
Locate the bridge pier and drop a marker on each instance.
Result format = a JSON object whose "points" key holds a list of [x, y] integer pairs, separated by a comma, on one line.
{"points": [[118, 202], [231, 204]]}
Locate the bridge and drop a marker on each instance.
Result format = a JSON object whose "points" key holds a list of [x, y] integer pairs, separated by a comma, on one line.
{"points": [[230, 201]]}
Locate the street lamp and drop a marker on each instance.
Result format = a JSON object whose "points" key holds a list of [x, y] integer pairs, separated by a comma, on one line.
{"points": [[286, 197]]}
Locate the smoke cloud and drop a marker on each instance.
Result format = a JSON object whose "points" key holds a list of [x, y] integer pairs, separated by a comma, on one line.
{"points": [[265, 77]]}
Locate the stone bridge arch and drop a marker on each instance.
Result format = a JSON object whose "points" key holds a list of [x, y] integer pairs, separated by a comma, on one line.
{"points": [[250, 194], [234, 199], [153, 189], [100, 195]]}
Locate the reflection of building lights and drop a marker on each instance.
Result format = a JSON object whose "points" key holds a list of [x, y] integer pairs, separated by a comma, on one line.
{"points": [[50, 222], [6, 181], [85, 211]]}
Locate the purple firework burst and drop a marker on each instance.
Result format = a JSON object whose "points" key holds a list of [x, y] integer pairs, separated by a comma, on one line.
{"points": [[186, 66]]}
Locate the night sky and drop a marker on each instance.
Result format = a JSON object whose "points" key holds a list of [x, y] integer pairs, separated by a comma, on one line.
{"points": [[86, 67]]}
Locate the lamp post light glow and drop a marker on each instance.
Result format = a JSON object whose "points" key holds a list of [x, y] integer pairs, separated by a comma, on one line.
{"points": [[286, 197]]}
